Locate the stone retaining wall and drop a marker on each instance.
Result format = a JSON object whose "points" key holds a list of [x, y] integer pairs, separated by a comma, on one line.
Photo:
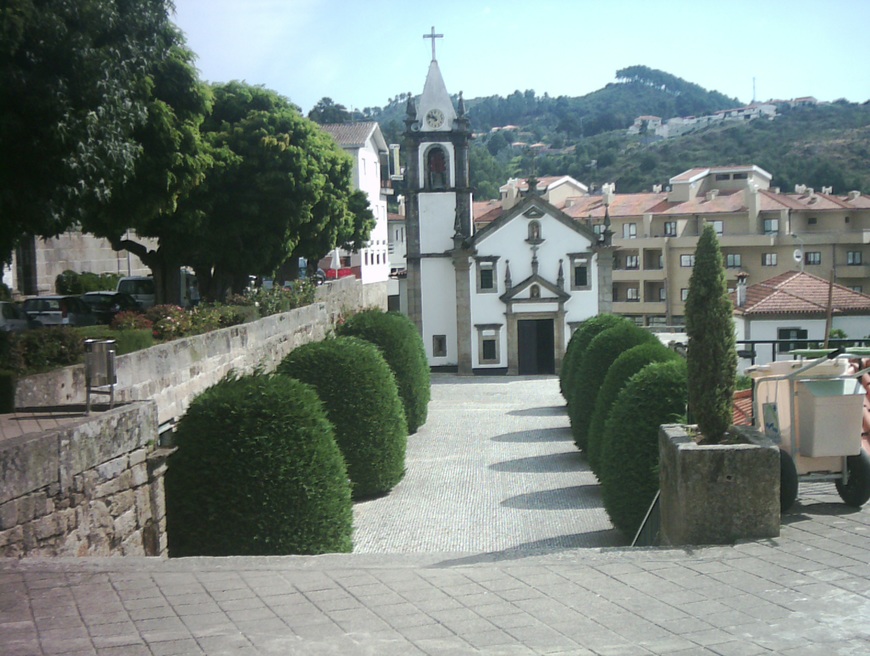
{"points": [[91, 488], [173, 373]]}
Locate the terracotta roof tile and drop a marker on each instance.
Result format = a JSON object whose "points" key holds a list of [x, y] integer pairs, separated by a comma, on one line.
{"points": [[742, 409], [797, 292]]}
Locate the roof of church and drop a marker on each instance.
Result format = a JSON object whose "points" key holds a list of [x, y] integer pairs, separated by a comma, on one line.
{"points": [[798, 292], [354, 135], [435, 94]]}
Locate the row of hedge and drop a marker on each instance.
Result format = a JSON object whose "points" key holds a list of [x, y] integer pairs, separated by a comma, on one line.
{"points": [[270, 464], [621, 383]]}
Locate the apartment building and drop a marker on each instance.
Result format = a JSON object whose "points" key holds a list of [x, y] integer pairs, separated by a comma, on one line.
{"points": [[763, 232]]}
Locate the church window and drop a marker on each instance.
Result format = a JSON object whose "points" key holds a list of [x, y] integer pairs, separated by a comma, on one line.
{"points": [[579, 271], [437, 171], [488, 343], [535, 232], [439, 346], [486, 275]]}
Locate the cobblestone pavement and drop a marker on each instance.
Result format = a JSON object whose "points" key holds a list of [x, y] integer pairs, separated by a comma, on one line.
{"points": [[465, 589], [493, 470]]}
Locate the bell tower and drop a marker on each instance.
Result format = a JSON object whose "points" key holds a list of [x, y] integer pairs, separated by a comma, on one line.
{"points": [[437, 136]]}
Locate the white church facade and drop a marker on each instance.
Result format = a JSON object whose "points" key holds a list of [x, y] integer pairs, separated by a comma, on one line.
{"points": [[503, 299]]}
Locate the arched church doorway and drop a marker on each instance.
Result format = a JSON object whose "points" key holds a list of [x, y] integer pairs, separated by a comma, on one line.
{"points": [[535, 347]]}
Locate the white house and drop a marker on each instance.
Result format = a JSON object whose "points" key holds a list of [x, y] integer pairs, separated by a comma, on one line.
{"points": [[366, 145], [503, 299], [794, 305]]}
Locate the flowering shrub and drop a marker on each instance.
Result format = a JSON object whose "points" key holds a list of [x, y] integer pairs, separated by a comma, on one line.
{"points": [[170, 321], [131, 321]]}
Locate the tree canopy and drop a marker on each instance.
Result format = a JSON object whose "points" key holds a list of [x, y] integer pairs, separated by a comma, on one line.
{"points": [[75, 91]]}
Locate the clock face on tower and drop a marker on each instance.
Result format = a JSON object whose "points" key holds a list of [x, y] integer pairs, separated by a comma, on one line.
{"points": [[435, 118]]}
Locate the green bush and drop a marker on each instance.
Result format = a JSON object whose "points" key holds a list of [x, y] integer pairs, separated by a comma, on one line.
{"points": [[362, 401], [277, 299], [42, 349], [70, 282], [7, 391], [402, 347], [257, 472], [604, 348], [577, 346], [624, 367], [170, 321], [131, 321], [712, 350], [654, 396]]}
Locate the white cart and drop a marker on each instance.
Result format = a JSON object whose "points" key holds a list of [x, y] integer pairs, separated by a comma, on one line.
{"points": [[813, 408]]}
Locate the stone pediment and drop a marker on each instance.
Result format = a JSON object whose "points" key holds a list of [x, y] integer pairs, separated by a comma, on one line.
{"points": [[521, 292]]}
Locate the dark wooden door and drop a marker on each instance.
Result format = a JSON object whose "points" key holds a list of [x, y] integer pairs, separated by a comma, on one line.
{"points": [[536, 347]]}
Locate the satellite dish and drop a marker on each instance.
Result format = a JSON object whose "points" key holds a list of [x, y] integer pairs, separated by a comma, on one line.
{"points": [[798, 256]]}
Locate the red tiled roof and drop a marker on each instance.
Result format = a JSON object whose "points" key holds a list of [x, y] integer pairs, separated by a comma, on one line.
{"points": [[742, 410], [395, 217], [798, 292], [350, 134], [486, 211]]}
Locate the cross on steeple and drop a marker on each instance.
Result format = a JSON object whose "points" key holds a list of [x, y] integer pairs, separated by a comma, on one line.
{"points": [[433, 36]]}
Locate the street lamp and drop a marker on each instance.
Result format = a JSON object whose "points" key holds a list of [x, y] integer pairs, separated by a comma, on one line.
{"points": [[799, 255]]}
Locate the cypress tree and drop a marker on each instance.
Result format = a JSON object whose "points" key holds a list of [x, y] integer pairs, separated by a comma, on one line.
{"points": [[712, 351]]}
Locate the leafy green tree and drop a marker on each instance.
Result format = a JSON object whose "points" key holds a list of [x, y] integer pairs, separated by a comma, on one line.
{"points": [[280, 186], [712, 351], [328, 111], [173, 161], [75, 83]]}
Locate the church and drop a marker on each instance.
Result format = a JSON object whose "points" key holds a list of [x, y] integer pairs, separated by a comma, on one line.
{"points": [[503, 299]]}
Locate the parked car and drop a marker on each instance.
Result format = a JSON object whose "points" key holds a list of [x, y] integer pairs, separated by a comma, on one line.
{"points": [[107, 304], [12, 317], [140, 288], [58, 311]]}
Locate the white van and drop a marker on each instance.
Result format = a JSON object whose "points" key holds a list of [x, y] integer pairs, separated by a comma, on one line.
{"points": [[139, 287]]}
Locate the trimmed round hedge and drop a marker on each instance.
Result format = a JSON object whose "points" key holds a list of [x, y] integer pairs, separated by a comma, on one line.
{"points": [[654, 396], [359, 394], [604, 348], [257, 472], [402, 347], [624, 367], [577, 346]]}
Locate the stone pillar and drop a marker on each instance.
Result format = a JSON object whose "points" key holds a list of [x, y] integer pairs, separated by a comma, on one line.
{"points": [[462, 268]]}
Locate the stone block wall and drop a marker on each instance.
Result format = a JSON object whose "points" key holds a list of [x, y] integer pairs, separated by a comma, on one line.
{"points": [[91, 488]]}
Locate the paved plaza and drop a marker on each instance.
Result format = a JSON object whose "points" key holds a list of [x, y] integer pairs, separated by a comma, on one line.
{"points": [[495, 543]]}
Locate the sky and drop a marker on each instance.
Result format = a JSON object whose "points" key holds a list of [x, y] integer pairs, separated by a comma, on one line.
{"points": [[360, 53]]}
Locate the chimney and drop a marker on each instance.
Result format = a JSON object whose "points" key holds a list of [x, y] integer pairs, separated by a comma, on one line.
{"points": [[712, 194], [657, 189], [854, 195], [741, 289]]}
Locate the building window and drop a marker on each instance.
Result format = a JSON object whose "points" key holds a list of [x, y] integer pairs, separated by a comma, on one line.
{"points": [[579, 271], [687, 260], [732, 261], [722, 176], [598, 228], [718, 226], [663, 294], [857, 288], [439, 346], [790, 333], [632, 294], [812, 220], [814, 257], [670, 228], [853, 258], [771, 226], [629, 231], [768, 259], [741, 176], [684, 294], [486, 276], [488, 343], [631, 262], [437, 170], [535, 232]]}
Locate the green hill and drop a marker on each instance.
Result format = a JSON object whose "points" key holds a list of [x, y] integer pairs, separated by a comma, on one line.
{"points": [[585, 137]]}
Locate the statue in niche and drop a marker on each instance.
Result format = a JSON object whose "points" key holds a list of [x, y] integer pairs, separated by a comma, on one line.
{"points": [[436, 165]]}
